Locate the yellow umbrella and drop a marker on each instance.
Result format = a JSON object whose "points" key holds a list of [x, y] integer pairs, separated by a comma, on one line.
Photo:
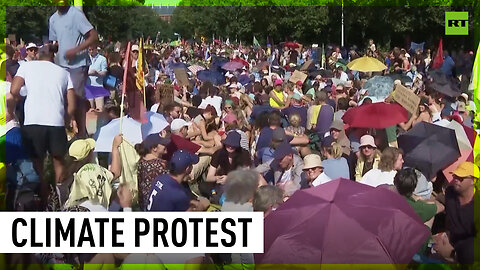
{"points": [[366, 64]]}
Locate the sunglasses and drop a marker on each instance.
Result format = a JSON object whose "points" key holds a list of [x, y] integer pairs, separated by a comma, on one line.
{"points": [[312, 169], [367, 147], [227, 108], [32, 50], [134, 51]]}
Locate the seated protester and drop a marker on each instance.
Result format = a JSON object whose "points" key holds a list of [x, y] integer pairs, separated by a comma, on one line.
{"points": [[266, 136], [459, 208], [150, 164], [240, 188], [194, 111], [170, 191], [231, 157], [204, 124], [91, 188], [338, 134], [368, 157], [284, 170], [172, 111], [335, 166], [213, 99], [313, 170], [405, 182], [179, 128], [390, 162], [231, 122], [267, 199], [278, 137]]}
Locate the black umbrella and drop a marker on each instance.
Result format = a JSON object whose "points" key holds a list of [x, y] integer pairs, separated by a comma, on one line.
{"points": [[441, 83], [429, 148]]}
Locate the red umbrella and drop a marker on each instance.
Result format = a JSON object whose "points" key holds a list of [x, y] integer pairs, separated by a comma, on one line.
{"points": [[376, 115], [343, 222], [290, 44], [240, 60]]}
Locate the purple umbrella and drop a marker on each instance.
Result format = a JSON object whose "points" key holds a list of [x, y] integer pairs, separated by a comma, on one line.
{"points": [[343, 222], [232, 66]]}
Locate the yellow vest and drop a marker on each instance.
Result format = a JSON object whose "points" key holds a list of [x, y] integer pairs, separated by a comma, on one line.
{"points": [[273, 103]]}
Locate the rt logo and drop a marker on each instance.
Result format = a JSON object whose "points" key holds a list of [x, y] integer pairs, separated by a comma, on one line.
{"points": [[456, 23]]}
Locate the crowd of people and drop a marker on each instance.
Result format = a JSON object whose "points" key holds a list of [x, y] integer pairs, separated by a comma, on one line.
{"points": [[245, 139]]}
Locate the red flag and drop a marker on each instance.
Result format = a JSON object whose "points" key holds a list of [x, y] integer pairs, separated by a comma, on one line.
{"points": [[438, 61]]}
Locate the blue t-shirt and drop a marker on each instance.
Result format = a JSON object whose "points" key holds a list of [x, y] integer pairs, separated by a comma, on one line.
{"points": [[69, 30], [336, 168], [168, 195], [265, 138]]}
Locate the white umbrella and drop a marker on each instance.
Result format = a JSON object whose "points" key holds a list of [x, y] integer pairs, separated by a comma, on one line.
{"points": [[134, 132], [462, 139]]}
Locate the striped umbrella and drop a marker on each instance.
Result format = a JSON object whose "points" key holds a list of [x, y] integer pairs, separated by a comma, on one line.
{"points": [[195, 68]]}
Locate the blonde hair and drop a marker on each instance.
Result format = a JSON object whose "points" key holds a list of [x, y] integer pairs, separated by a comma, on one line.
{"points": [[335, 150], [295, 120]]}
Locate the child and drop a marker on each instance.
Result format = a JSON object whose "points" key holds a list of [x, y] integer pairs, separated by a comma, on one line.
{"points": [[295, 129]]}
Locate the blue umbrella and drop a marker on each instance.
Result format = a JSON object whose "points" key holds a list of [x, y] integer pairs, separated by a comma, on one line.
{"points": [[214, 77], [218, 62], [244, 79], [379, 87]]}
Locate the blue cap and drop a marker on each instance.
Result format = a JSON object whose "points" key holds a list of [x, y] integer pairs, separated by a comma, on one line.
{"points": [[153, 140], [283, 150], [327, 141], [233, 139], [180, 161]]}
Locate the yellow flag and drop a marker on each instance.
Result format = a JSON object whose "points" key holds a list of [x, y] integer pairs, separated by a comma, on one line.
{"points": [[140, 67]]}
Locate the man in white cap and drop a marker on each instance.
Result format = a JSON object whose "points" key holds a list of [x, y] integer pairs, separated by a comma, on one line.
{"points": [[313, 171], [32, 51]]}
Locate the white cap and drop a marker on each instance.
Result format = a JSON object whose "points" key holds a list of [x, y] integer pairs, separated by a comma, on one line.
{"points": [[31, 45], [177, 124], [134, 47]]}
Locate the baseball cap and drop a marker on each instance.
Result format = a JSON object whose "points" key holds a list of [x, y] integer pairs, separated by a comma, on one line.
{"points": [[312, 161], [283, 150], [278, 82], [466, 169], [367, 140], [299, 83], [279, 135], [177, 124], [180, 161], [31, 45], [81, 148], [327, 141], [153, 140], [233, 139], [135, 47]]}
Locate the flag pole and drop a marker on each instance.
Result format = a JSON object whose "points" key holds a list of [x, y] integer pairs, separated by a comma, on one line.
{"points": [[124, 86]]}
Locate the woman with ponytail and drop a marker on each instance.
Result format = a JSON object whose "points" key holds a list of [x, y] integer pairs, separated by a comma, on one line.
{"points": [[150, 164], [334, 166]]}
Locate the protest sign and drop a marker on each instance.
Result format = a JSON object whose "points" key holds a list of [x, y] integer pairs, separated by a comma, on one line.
{"points": [[406, 98], [298, 76], [307, 65], [181, 76]]}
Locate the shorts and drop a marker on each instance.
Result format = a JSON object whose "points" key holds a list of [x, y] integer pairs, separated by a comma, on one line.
{"points": [[79, 78], [38, 140]]}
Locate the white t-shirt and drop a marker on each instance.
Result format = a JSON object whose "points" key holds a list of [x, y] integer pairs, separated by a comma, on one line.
{"points": [[47, 85], [375, 178], [321, 179], [154, 107], [215, 101]]}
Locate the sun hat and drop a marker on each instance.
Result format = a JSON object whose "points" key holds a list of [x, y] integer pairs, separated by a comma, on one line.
{"points": [[312, 161], [366, 140]]}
